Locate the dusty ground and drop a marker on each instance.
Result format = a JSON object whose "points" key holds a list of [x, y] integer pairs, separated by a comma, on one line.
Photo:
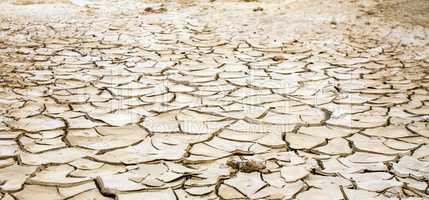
{"points": [[311, 99]]}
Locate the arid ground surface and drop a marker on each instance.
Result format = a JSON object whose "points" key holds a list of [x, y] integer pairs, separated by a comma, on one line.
{"points": [[160, 100]]}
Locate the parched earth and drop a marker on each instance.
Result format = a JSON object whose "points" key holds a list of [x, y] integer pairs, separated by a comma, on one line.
{"points": [[139, 100]]}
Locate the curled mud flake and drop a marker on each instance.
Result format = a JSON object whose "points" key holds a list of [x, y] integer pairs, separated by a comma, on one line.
{"points": [[90, 194], [392, 131], [336, 146], [411, 167], [301, 141], [106, 138], [38, 192], [333, 193], [56, 176], [247, 184], [294, 173], [14, 176], [117, 118], [59, 156], [37, 123], [167, 194]]}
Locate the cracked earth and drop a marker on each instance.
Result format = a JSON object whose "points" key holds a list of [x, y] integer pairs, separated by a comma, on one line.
{"points": [[103, 100]]}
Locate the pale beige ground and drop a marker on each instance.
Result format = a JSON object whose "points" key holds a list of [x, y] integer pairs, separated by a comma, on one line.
{"points": [[311, 99]]}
